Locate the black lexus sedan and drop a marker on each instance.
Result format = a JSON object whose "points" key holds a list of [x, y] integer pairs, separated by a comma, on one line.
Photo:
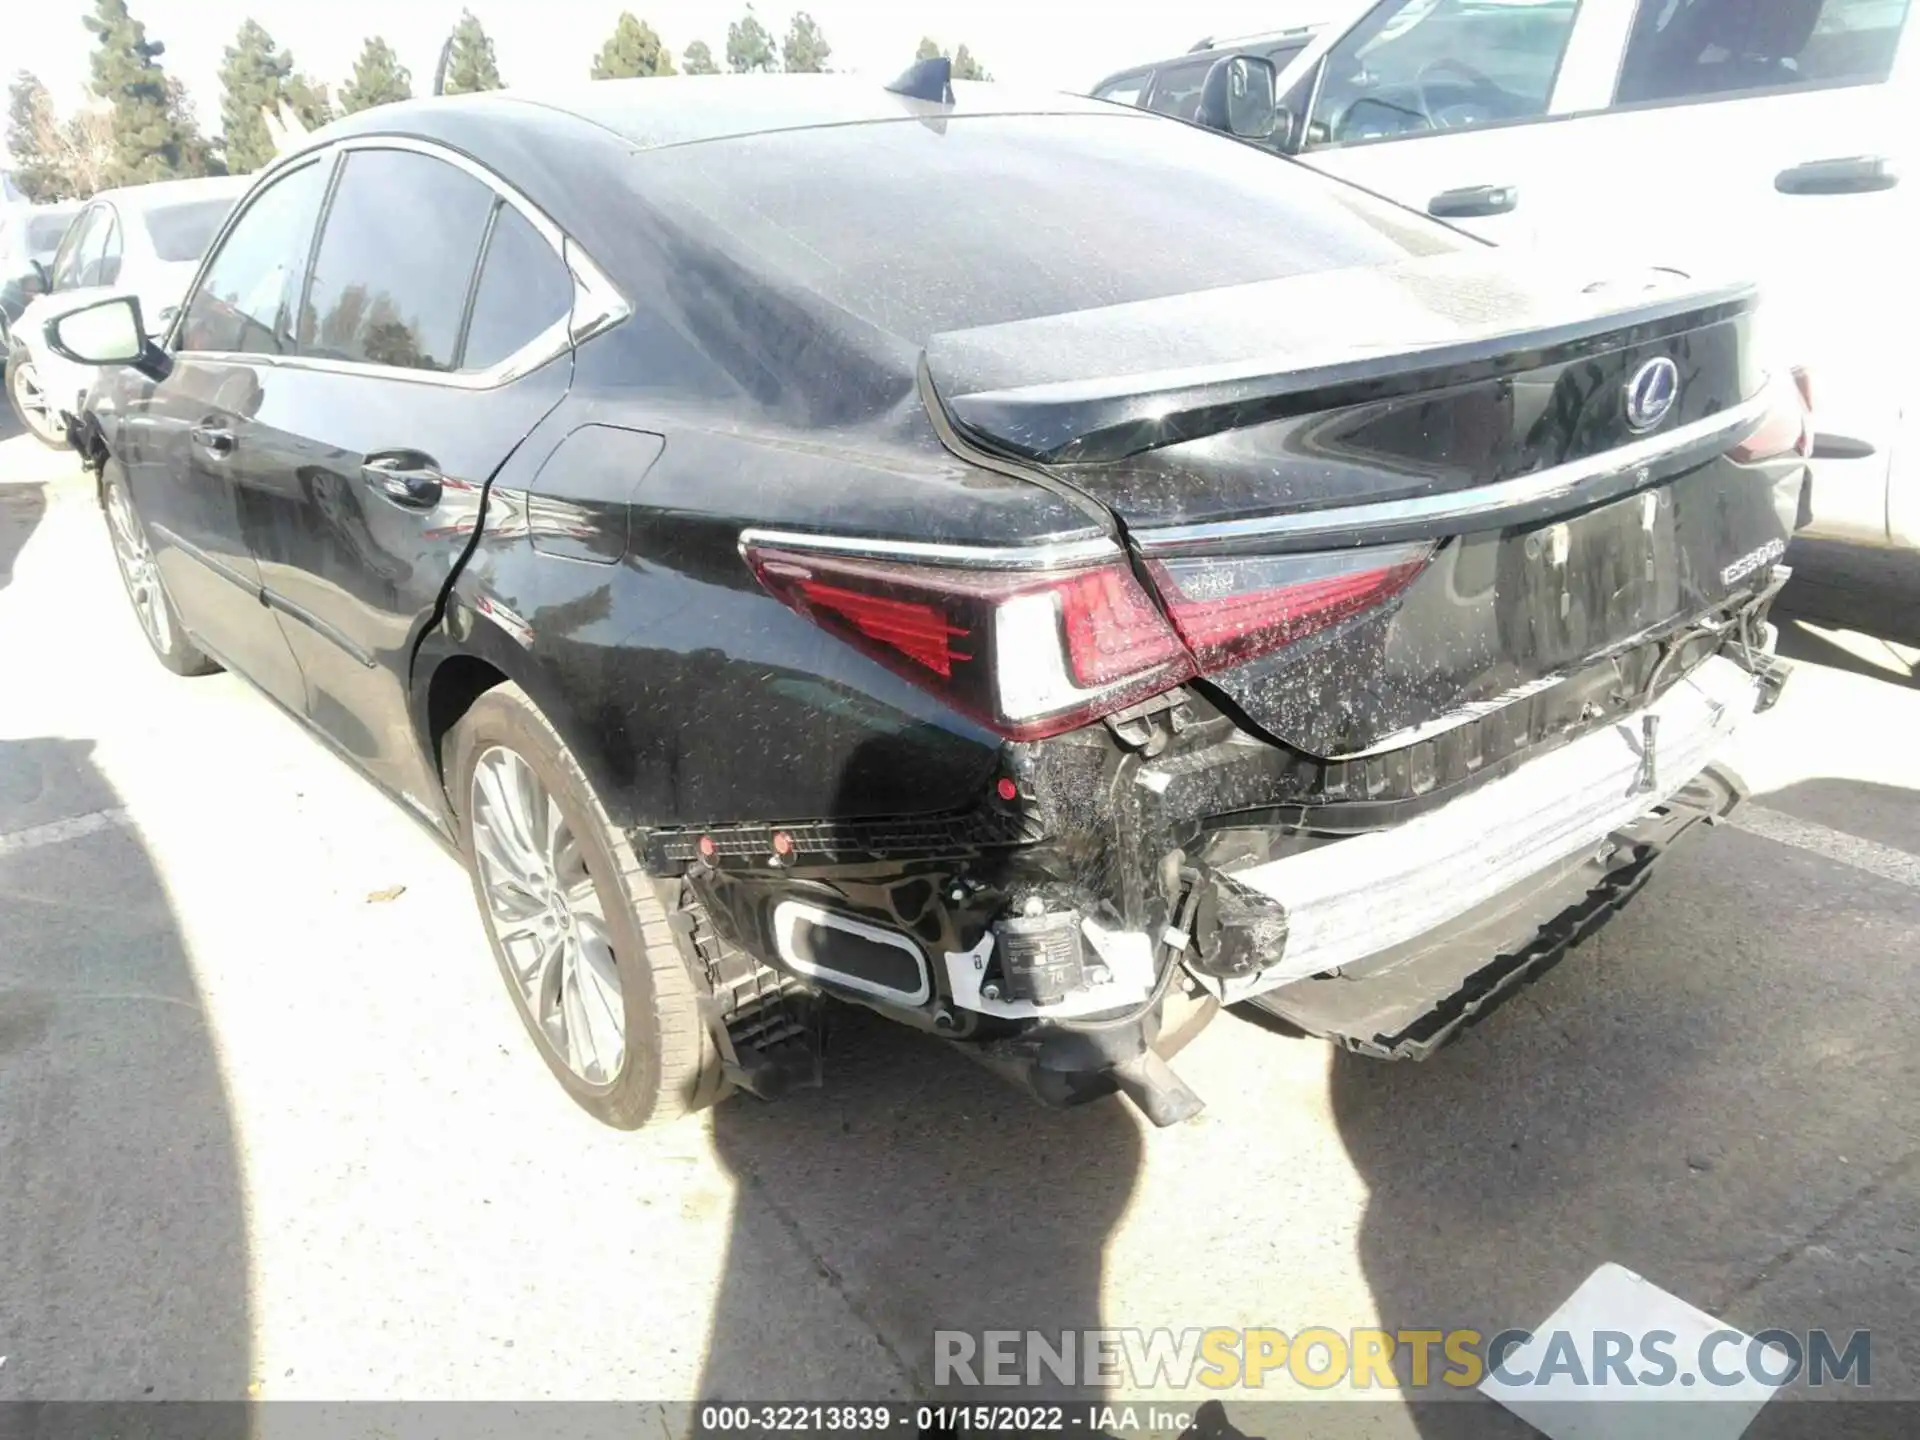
{"points": [[1037, 569]]}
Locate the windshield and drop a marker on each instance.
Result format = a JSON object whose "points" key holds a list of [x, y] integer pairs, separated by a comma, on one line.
{"points": [[182, 232], [991, 218]]}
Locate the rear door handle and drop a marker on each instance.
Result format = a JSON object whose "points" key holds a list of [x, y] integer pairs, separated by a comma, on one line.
{"points": [[216, 440], [1474, 200], [406, 477], [1846, 175]]}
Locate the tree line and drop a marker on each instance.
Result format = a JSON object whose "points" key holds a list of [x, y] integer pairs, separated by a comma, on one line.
{"points": [[148, 128]]}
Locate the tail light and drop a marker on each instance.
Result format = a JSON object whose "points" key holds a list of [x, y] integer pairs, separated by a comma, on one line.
{"points": [[1028, 653], [1787, 426], [1037, 653], [1229, 609]]}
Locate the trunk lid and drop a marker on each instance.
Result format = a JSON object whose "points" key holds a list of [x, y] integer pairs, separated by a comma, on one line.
{"points": [[1452, 479]]}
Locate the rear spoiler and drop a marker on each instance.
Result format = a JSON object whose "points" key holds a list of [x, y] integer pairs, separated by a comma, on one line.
{"points": [[1248, 354]]}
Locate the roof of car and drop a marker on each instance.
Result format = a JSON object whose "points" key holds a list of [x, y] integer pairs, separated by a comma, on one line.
{"points": [[175, 192], [653, 113]]}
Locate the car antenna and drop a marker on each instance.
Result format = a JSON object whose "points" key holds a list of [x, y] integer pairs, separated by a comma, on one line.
{"points": [[929, 79]]}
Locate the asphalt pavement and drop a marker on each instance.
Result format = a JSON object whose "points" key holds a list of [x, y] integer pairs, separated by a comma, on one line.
{"points": [[269, 1128]]}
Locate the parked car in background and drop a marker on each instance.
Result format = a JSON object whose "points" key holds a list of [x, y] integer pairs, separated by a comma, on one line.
{"points": [[781, 582], [1771, 140], [1172, 87], [143, 240], [29, 236]]}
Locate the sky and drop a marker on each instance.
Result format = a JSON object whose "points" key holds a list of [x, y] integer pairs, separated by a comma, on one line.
{"points": [[1060, 44]]}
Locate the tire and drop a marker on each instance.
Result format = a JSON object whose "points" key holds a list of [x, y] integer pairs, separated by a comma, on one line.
{"points": [[668, 1065], [30, 405], [146, 591]]}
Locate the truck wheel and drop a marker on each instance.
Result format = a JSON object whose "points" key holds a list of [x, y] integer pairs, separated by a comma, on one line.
{"points": [[579, 933]]}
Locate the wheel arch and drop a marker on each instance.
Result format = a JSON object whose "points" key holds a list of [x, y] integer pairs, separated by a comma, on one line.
{"points": [[461, 659]]}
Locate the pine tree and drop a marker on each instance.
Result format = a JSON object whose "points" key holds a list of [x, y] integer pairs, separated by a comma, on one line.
{"points": [[965, 67], [148, 143], [257, 77], [378, 78], [310, 100], [749, 46], [805, 49], [471, 66], [633, 50], [197, 153], [698, 60], [34, 141]]}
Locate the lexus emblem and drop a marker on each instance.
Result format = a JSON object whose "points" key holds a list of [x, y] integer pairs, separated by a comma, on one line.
{"points": [[1651, 392]]}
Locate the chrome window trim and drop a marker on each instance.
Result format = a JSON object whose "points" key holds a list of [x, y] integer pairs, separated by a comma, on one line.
{"points": [[1043, 556], [597, 302], [1481, 502]]}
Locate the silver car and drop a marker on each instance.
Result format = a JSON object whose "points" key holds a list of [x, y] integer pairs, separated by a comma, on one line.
{"points": [[143, 240]]}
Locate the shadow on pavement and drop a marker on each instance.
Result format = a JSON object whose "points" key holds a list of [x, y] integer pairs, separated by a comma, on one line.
{"points": [[125, 1243], [1873, 593], [913, 1161], [22, 507], [1728, 1120]]}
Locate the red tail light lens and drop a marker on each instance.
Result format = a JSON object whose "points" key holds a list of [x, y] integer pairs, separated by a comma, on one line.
{"points": [[1787, 427], [1230, 609], [1029, 654]]}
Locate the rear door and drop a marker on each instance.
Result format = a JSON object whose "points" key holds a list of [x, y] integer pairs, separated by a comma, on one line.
{"points": [[1446, 106], [433, 336]]}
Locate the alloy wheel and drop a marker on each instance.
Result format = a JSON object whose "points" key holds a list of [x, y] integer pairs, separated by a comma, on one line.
{"points": [[35, 409], [137, 565], [547, 916]]}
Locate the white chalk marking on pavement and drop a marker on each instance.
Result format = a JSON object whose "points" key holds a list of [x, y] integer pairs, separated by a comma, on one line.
{"points": [[1868, 855], [1554, 1380], [55, 831]]}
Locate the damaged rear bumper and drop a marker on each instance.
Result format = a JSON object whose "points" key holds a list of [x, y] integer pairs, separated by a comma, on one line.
{"points": [[1160, 865], [1373, 895]]}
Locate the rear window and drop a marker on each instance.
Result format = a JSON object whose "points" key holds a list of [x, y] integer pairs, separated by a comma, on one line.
{"points": [[918, 229], [44, 232], [183, 232]]}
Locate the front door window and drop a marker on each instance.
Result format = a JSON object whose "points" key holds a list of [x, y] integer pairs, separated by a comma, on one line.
{"points": [[1418, 66]]}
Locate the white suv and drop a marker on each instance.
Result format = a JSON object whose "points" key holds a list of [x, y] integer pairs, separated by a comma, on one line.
{"points": [[1761, 138]]}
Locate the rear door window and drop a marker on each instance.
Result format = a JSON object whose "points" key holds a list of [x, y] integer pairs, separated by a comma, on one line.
{"points": [[524, 291], [247, 298], [395, 262], [1412, 67], [1686, 49]]}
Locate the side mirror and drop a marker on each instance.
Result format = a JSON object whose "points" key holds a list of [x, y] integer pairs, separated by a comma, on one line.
{"points": [[107, 332], [1237, 97]]}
